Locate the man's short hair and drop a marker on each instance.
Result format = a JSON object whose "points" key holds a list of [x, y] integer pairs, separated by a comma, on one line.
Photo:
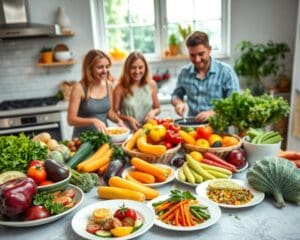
{"points": [[196, 38]]}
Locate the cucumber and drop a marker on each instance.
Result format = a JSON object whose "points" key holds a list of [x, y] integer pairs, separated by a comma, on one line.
{"points": [[82, 153], [103, 233], [138, 224]]}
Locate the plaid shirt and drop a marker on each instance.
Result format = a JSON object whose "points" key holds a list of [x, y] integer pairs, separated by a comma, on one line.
{"points": [[220, 82]]}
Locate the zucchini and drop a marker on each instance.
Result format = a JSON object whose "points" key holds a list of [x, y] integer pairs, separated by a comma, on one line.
{"points": [[103, 233], [138, 224], [85, 150]]}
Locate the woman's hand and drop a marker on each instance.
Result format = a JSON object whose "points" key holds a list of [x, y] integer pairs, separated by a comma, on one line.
{"points": [[134, 124], [100, 126], [120, 123], [150, 115]]}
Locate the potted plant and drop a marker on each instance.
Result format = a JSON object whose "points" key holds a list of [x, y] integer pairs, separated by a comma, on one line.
{"points": [[243, 110], [173, 44], [258, 61], [46, 55], [184, 32]]}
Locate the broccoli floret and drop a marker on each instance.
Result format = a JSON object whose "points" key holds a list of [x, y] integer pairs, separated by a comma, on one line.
{"points": [[83, 180], [96, 179]]}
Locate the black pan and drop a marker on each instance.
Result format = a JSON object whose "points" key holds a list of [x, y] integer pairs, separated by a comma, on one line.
{"points": [[188, 122]]}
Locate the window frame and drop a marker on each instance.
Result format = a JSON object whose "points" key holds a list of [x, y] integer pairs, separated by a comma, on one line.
{"points": [[100, 39]]}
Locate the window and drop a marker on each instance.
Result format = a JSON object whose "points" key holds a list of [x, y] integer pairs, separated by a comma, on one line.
{"points": [[145, 25]]}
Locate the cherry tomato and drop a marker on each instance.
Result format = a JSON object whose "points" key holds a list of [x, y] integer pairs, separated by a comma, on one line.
{"points": [[64, 200], [37, 173], [168, 145], [124, 212], [69, 193], [204, 132], [36, 212], [92, 228], [36, 163]]}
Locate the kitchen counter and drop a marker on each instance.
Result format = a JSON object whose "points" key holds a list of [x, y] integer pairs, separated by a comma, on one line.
{"points": [[263, 221]]}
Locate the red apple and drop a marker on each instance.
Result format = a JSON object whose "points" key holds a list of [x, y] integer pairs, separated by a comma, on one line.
{"points": [[237, 158]]}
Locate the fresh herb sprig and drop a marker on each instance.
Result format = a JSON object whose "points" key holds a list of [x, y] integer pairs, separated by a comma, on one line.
{"points": [[46, 199], [177, 195], [96, 138]]}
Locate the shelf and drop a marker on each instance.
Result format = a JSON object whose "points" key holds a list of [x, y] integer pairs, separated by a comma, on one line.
{"points": [[56, 64], [177, 57]]}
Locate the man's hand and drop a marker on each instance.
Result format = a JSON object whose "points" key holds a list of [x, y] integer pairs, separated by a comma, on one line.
{"points": [[203, 116], [180, 109]]}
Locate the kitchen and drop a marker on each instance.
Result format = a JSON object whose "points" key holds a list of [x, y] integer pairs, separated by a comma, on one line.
{"points": [[20, 78]]}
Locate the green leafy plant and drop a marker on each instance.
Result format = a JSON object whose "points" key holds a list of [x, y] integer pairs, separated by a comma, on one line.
{"points": [[173, 39], [184, 32], [258, 61], [46, 49], [243, 110]]}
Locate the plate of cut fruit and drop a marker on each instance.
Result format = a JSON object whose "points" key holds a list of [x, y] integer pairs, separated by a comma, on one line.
{"points": [[113, 219]]}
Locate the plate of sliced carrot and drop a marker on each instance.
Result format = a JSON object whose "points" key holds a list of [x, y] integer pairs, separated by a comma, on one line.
{"points": [[149, 175], [183, 211]]}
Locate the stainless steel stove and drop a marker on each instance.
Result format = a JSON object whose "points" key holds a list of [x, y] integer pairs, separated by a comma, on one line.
{"points": [[30, 121]]}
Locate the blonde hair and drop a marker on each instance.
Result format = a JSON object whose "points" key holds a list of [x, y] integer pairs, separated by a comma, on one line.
{"points": [[87, 67], [125, 79]]}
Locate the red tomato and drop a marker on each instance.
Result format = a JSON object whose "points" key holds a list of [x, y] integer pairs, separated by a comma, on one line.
{"points": [[64, 200], [36, 212], [204, 132], [46, 182], [124, 212], [173, 128], [37, 173], [36, 163], [92, 228], [69, 193], [168, 145]]}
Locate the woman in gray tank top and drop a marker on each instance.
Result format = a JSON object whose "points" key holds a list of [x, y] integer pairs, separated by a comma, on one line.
{"points": [[91, 98], [135, 96]]}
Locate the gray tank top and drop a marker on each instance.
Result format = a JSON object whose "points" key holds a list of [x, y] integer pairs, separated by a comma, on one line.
{"points": [[94, 108]]}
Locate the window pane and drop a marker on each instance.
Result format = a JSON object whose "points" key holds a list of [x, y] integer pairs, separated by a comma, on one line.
{"points": [[180, 11], [213, 29], [118, 38], [208, 9], [116, 12], [144, 39], [142, 12]]}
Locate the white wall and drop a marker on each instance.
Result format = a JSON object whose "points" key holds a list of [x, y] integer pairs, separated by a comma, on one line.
{"points": [[255, 20]]}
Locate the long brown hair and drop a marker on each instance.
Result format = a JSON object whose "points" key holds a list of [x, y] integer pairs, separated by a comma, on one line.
{"points": [[87, 67], [125, 80]]}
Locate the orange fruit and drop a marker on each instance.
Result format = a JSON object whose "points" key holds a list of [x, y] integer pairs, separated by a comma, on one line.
{"points": [[196, 155], [201, 142], [228, 141], [214, 138], [193, 134]]}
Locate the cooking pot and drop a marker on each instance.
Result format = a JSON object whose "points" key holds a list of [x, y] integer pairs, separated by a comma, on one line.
{"points": [[189, 122]]}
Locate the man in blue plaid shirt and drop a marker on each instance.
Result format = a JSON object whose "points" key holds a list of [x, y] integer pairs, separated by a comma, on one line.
{"points": [[202, 80]]}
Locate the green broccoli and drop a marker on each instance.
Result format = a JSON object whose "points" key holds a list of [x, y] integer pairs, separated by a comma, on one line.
{"points": [[84, 181], [96, 179]]}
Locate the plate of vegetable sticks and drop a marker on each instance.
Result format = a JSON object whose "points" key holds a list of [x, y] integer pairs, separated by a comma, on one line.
{"points": [[183, 211]]}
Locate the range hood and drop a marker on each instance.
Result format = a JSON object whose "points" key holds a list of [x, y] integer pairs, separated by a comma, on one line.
{"points": [[17, 23]]}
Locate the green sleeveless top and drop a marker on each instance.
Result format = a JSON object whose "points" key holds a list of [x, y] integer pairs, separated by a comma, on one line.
{"points": [[138, 104]]}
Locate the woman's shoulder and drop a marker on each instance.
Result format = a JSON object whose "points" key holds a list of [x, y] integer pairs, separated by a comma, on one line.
{"points": [[152, 84]]}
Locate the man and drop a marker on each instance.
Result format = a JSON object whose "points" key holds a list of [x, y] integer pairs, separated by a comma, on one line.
{"points": [[202, 80]]}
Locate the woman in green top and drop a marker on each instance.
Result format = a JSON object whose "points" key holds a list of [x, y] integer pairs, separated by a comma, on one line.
{"points": [[135, 95], [90, 102]]}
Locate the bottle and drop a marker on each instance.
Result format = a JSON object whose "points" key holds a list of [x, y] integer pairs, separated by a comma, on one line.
{"points": [[63, 20]]}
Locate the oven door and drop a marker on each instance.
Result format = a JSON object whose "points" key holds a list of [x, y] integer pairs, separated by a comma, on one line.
{"points": [[52, 128]]}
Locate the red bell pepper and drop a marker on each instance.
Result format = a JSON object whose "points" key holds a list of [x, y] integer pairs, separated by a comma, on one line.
{"points": [[172, 137], [173, 127], [16, 196]]}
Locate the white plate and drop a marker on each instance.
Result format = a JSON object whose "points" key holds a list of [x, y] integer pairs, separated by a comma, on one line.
{"points": [[187, 183], [243, 168], [157, 184], [81, 218], [258, 196], [214, 211], [79, 197]]}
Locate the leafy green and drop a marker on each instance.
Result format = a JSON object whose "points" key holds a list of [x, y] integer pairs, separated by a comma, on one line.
{"points": [[118, 152], [96, 138], [46, 199], [17, 151], [243, 110], [177, 195]]}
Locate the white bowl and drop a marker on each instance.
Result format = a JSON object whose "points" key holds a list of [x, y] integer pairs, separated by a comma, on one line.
{"points": [[118, 137], [259, 151], [62, 56]]}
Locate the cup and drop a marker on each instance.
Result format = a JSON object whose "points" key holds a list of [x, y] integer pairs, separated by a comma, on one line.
{"points": [[63, 56]]}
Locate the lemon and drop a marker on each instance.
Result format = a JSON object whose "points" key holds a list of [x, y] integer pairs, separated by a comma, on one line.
{"points": [[196, 155], [121, 231], [9, 175]]}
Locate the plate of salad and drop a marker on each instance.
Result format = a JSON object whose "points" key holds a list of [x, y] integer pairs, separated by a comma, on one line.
{"points": [[113, 219], [57, 205], [183, 211]]}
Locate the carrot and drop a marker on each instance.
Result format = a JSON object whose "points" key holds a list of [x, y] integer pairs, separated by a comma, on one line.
{"points": [[169, 217], [163, 206], [142, 177], [149, 193], [177, 212], [160, 173], [182, 216], [103, 168], [101, 150], [177, 205], [215, 158], [216, 164]]}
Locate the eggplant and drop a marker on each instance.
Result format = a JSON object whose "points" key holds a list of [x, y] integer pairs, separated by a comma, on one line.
{"points": [[115, 168], [56, 171]]}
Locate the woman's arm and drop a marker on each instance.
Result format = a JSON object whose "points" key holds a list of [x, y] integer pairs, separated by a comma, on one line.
{"points": [[155, 107], [112, 114], [73, 119]]}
